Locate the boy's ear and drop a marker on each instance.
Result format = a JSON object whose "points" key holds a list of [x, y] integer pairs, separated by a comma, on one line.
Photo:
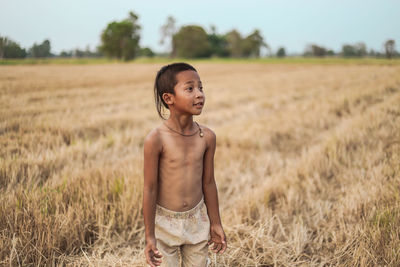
{"points": [[168, 98]]}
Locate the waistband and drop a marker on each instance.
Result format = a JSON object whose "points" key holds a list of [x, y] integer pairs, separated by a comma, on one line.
{"points": [[179, 214]]}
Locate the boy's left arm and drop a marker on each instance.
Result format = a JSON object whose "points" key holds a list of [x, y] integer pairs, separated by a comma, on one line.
{"points": [[217, 233]]}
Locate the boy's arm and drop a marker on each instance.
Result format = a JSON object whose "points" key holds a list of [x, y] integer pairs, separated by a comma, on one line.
{"points": [[152, 149], [211, 195]]}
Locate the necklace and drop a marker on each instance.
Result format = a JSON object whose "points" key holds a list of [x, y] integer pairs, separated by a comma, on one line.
{"points": [[198, 130]]}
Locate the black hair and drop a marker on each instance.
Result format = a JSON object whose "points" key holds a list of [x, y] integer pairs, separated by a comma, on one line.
{"points": [[166, 81]]}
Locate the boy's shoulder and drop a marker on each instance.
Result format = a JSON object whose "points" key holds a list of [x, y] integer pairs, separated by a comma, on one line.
{"points": [[209, 134], [153, 138]]}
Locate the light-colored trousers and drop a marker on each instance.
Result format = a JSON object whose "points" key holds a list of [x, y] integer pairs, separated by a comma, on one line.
{"points": [[185, 233]]}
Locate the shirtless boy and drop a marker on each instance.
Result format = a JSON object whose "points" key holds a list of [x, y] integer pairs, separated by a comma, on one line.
{"points": [[180, 200]]}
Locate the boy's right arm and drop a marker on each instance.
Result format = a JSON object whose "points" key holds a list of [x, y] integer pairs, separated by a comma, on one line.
{"points": [[152, 149]]}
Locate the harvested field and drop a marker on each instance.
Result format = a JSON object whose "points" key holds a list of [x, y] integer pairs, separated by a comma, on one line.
{"points": [[307, 162]]}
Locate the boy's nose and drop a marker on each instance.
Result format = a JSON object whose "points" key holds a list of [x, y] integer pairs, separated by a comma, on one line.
{"points": [[199, 93]]}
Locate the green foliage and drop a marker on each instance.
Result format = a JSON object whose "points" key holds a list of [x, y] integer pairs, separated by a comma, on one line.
{"points": [[244, 47], [318, 51], [315, 50], [234, 40], [57, 61], [121, 39], [357, 50], [66, 54], [281, 52], [10, 49], [78, 53], [348, 51], [191, 42], [146, 52], [252, 44], [118, 187], [330, 52], [218, 44], [40, 50]]}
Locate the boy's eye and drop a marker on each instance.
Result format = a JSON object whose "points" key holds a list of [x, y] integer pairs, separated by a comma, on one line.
{"points": [[191, 88]]}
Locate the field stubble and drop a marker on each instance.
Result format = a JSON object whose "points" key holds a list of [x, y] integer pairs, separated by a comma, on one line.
{"points": [[307, 163]]}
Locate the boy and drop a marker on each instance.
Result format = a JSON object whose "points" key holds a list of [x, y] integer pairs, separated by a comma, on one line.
{"points": [[180, 201]]}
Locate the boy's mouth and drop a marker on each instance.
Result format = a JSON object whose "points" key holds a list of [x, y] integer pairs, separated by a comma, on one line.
{"points": [[200, 104]]}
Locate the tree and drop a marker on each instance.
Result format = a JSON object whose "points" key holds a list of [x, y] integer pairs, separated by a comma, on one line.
{"points": [[80, 53], [40, 50], [330, 52], [361, 49], [318, 51], [252, 44], [348, 51], [10, 49], [121, 39], [3, 44], [218, 44], [372, 53], [234, 40], [167, 32], [146, 52], [66, 53], [191, 41], [389, 48], [357, 50], [281, 52]]}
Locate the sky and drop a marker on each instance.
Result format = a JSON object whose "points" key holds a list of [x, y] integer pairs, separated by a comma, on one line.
{"points": [[293, 24]]}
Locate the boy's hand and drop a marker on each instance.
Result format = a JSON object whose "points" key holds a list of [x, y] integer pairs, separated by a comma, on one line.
{"points": [[218, 238], [153, 256]]}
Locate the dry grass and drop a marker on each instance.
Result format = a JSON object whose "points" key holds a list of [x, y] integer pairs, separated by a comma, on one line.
{"points": [[307, 163]]}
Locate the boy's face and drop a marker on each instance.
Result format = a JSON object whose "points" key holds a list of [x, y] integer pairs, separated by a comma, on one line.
{"points": [[189, 96]]}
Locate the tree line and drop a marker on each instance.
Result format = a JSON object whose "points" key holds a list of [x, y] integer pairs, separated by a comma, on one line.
{"points": [[11, 49], [353, 50], [121, 40]]}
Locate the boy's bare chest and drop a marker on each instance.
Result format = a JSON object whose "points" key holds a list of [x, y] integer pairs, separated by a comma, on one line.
{"points": [[183, 150]]}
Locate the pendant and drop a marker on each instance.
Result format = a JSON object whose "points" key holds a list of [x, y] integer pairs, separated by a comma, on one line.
{"points": [[200, 131]]}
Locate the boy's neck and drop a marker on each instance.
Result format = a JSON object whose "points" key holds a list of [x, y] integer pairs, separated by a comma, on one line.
{"points": [[181, 123]]}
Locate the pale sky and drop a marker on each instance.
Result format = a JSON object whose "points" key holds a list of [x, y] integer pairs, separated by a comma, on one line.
{"points": [[293, 24]]}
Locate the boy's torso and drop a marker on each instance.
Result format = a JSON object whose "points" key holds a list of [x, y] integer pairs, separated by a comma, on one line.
{"points": [[180, 170]]}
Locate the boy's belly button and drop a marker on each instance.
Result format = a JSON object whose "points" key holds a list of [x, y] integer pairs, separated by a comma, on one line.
{"points": [[184, 204]]}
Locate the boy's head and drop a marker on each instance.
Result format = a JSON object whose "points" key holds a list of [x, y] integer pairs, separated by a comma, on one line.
{"points": [[166, 81]]}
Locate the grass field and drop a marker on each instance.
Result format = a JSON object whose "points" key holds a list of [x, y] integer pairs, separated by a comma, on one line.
{"points": [[307, 162]]}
